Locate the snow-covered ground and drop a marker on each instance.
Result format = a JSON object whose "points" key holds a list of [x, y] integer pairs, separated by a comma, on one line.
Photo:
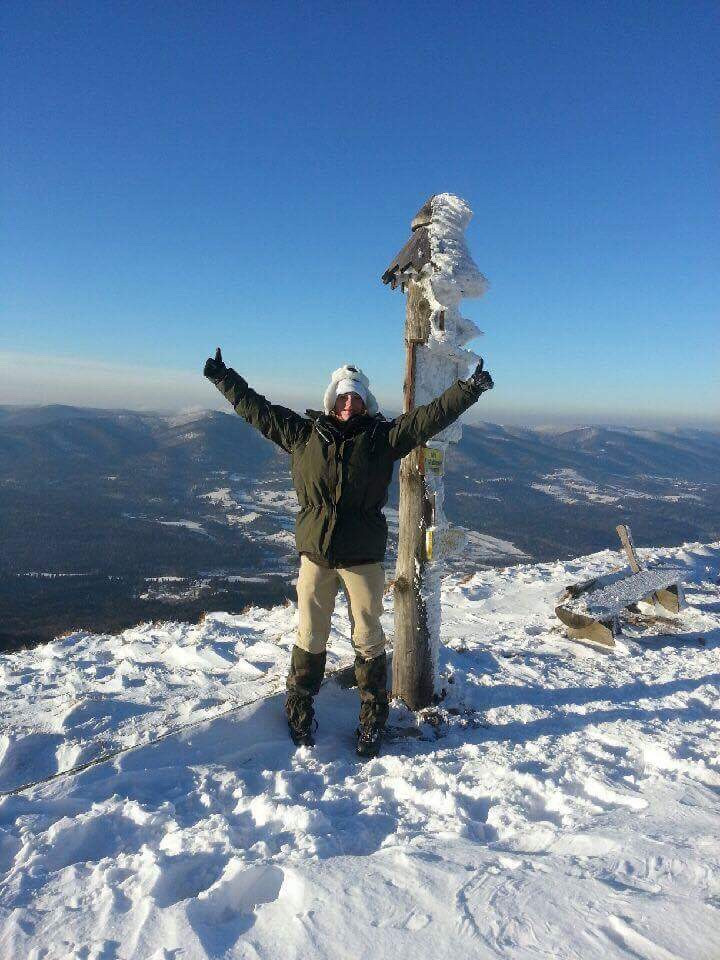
{"points": [[568, 486], [560, 803]]}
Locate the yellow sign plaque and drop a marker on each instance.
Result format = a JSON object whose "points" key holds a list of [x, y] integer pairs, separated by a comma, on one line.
{"points": [[434, 461]]}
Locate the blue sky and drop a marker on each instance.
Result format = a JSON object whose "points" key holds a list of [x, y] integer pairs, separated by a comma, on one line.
{"points": [[182, 175]]}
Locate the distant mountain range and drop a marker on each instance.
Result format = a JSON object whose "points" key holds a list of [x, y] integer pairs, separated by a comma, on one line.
{"points": [[119, 499]]}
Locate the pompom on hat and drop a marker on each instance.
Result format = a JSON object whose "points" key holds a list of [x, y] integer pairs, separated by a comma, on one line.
{"points": [[349, 379]]}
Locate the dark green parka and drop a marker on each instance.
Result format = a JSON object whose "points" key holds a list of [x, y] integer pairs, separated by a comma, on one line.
{"points": [[341, 471]]}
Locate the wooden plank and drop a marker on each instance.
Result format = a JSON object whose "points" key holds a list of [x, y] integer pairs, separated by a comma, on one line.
{"points": [[423, 217], [614, 597], [584, 627], [410, 260], [589, 610], [671, 599], [623, 531]]}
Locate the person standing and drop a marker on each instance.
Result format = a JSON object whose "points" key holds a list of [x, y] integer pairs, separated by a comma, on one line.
{"points": [[342, 463]]}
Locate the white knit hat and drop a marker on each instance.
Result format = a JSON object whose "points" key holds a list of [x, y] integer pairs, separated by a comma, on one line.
{"points": [[349, 379]]}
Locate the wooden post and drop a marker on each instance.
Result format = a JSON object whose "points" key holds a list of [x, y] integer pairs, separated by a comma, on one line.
{"points": [[438, 226], [412, 678]]}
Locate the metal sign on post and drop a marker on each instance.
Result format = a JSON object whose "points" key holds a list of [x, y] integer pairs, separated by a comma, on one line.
{"points": [[434, 461]]}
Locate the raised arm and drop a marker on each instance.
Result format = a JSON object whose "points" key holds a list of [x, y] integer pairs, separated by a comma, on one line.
{"points": [[419, 425], [279, 424]]}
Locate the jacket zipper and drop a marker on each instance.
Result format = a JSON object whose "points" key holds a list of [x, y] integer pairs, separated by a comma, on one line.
{"points": [[336, 499]]}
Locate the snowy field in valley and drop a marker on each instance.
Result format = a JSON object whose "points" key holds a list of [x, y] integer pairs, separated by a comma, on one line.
{"points": [[568, 486], [561, 802]]}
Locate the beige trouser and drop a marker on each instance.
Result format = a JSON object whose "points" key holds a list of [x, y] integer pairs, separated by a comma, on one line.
{"points": [[317, 588]]}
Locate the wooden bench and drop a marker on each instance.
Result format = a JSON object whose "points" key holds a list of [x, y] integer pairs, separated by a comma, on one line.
{"points": [[591, 610]]}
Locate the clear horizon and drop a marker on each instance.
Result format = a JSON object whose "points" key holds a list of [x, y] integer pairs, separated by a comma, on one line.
{"points": [[111, 384], [178, 178]]}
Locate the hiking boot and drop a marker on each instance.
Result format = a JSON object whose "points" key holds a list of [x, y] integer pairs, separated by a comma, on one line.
{"points": [[301, 720], [369, 739], [371, 678], [303, 683]]}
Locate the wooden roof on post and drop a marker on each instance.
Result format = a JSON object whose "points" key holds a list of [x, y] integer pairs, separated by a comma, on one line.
{"points": [[415, 254]]}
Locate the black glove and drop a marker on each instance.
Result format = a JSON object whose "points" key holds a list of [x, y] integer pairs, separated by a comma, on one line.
{"points": [[215, 369], [481, 379]]}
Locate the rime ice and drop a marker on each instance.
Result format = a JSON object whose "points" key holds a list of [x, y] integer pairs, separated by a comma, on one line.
{"points": [[444, 359]]}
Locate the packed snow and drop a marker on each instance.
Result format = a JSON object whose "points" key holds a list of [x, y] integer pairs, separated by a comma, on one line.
{"points": [[559, 802]]}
